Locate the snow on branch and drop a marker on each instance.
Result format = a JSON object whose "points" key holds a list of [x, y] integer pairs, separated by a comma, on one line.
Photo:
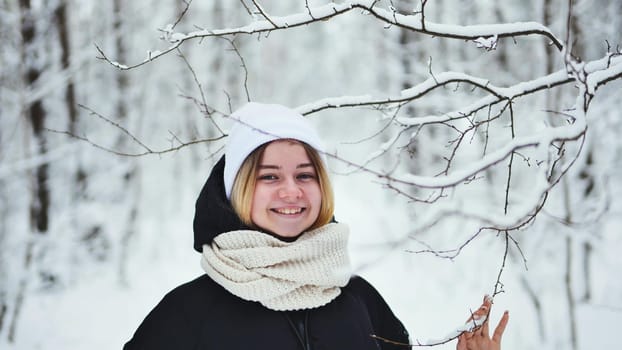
{"points": [[485, 34], [599, 76], [598, 73], [496, 94]]}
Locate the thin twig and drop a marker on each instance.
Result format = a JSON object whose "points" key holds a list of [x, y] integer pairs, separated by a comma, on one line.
{"points": [[510, 163], [183, 13], [417, 344], [242, 64], [200, 88], [263, 13], [247, 8], [520, 250], [116, 125], [498, 288], [308, 9], [125, 154]]}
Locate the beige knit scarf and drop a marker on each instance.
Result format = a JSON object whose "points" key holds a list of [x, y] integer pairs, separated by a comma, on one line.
{"points": [[303, 274]]}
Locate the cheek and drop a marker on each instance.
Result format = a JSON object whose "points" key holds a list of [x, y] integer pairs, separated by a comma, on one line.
{"points": [[261, 196], [315, 195]]}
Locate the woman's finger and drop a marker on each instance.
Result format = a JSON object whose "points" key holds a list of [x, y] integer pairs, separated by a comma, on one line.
{"points": [[461, 342], [496, 337], [482, 311], [485, 328], [486, 306]]}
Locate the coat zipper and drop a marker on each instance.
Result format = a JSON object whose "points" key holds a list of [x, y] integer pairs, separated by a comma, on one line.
{"points": [[301, 333]]}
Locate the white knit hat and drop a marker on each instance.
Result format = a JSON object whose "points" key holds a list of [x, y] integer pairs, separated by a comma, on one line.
{"points": [[257, 124]]}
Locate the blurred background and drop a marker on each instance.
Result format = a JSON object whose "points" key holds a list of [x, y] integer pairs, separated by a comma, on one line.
{"points": [[96, 201]]}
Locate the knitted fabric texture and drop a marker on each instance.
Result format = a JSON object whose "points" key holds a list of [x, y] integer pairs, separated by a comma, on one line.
{"points": [[303, 274]]}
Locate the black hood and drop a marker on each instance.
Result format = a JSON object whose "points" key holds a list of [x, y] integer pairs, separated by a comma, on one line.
{"points": [[213, 213]]}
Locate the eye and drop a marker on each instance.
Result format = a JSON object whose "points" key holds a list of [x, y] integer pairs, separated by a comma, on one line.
{"points": [[267, 177], [306, 176]]}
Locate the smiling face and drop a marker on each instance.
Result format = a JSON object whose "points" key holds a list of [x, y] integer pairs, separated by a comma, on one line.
{"points": [[287, 196]]}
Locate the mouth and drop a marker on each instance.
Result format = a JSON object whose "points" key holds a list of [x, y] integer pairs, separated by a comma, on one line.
{"points": [[288, 211]]}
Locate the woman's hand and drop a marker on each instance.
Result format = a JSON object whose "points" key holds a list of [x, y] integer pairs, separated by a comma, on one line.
{"points": [[479, 339]]}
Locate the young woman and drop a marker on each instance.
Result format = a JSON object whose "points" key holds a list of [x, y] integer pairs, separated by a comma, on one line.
{"points": [[276, 262]]}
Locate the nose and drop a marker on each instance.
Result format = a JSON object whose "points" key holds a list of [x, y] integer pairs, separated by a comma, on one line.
{"points": [[290, 190]]}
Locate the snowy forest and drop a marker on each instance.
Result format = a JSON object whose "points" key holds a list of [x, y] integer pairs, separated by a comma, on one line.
{"points": [[474, 149]]}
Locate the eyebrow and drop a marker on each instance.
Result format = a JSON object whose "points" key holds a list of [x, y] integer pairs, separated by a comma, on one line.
{"points": [[268, 166]]}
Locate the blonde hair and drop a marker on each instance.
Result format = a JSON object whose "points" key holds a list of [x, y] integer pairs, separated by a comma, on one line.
{"points": [[246, 179]]}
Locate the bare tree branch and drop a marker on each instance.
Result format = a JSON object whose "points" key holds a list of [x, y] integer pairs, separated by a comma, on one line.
{"points": [[147, 150], [118, 126], [497, 94], [332, 10], [141, 154]]}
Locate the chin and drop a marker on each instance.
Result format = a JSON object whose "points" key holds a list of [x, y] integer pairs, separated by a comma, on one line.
{"points": [[291, 231]]}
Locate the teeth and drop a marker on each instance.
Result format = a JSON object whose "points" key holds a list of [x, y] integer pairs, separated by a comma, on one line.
{"points": [[289, 211]]}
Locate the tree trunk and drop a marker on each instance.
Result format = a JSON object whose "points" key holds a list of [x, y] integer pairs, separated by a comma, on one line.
{"points": [[549, 62], [4, 195], [502, 55], [216, 58], [63, 25], [62, 22], [537, 305], [130, 191], [576, 37], [35, 114], [3, 309], [587, 256], [577, 50], [547, 19], [572, 319], [409, 56]]}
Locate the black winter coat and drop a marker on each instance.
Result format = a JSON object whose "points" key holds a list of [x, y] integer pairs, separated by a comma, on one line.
{"points": [[202, 315]]}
